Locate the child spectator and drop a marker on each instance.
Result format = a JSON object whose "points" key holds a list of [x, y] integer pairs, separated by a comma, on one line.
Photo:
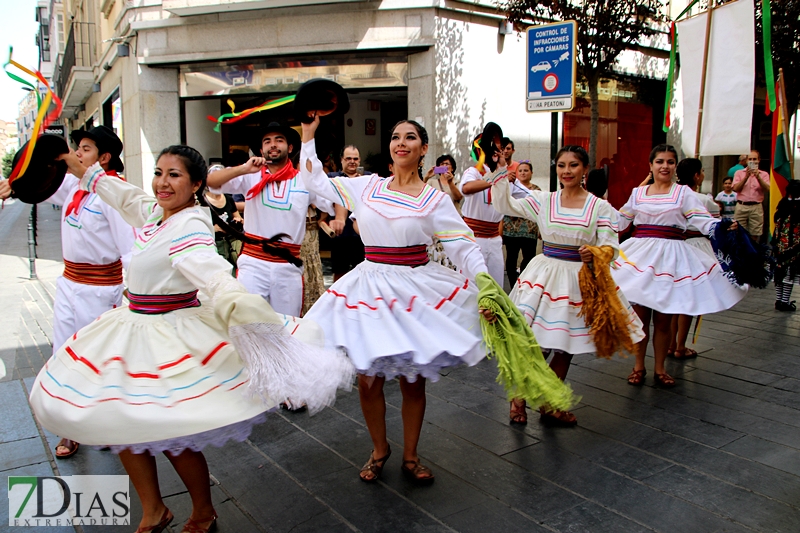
{"points": [[727, 198]]}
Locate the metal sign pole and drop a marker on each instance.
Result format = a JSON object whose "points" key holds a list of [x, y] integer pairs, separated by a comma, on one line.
{"points": [[32, 242]]}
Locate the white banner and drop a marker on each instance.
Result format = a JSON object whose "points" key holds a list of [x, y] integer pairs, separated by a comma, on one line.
{"points": [[730, 79]]}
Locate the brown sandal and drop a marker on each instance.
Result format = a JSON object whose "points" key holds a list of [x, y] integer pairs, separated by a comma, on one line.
{"points": [[636, 377], [557, 418], [418, 473], [193, 526], [664, 380], [70, 445], [518, 414], [166, 518], [373, 466], [686, 353]]}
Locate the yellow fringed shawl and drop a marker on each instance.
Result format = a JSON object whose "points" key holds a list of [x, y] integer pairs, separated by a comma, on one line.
{"points": [[602, 309]]}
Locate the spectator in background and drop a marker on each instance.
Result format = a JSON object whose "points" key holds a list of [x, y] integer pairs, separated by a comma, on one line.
{"points": [[448, 181], [224, 210], [726, 199], [520, 234], [508, 152], [750, 184], [236, 158], [597, 182], [347, 250], [740, 166]]}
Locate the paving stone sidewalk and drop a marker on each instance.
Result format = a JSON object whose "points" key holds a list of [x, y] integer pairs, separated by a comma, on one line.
{"points": [[719, 453]]}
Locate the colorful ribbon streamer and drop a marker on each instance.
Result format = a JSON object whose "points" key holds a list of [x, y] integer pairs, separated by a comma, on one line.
{"points": [[478, 155], [233, 116], [43, 119], [769, 73]]}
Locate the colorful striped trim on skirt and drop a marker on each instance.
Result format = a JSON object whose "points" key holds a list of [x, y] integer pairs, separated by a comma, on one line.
{"points": [[412, 256], [157, 304], [653, 231], [565, 252], [87, 274], [483, 229], [255, 250]]}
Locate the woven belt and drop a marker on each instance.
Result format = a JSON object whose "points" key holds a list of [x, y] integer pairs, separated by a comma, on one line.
{"points": [[412, 256], [87, 274], [565, 252], [255, 250], [157, 304], [653, 231], [747, 203], [483, 229]]}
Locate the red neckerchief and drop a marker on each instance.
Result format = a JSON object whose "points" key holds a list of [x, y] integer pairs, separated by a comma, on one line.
{"points": [[75, 205], [286, 173]]}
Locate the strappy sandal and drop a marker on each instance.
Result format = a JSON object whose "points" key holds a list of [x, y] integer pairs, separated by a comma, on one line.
{"points": [[418, 473], [636, 377], [686, 353], [166, 518], [193, 526], [518, 414], [557, 418], [664, 380], [70, 445], [374, 466]]}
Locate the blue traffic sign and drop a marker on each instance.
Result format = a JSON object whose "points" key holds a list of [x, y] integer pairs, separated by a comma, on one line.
{"points": [[551, 67]]}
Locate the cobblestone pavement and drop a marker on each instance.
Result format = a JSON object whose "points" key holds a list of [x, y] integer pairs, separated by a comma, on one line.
{"points": [[720, 452]]}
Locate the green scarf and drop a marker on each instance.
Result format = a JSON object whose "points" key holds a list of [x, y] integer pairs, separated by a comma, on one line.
{"points": [[522, 368]]}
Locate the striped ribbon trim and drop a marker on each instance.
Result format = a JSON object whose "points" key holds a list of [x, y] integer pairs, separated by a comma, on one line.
{"points": [[158, 304], [255, 250], [412, 256], [100, 275], [652, 231], [691, 234], [483, 229], [565, 252]]}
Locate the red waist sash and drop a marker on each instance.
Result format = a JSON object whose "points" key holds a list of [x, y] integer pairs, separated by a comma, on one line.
{"points": [[653, 231], [88, 274], [483, 229], [412, 256], [255, 250], [691, 234], [565, 252], [157, 304]]}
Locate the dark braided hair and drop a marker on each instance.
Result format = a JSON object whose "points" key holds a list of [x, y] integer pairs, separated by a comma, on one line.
{"points": [[687, 169], [198, 173], [423, 136], [579, 151], [659, 148]]}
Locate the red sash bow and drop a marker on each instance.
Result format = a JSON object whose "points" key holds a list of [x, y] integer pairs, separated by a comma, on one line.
{"points": [[286, 173], [75, 205]]}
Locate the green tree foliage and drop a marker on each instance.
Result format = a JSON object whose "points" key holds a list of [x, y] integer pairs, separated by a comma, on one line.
{"points": [[605, 29], [7, 160]]}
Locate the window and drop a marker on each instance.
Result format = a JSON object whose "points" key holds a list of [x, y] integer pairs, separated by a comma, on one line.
{"points": [[60, 29]]}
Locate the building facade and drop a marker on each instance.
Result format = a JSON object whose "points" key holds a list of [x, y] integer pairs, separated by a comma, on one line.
{"points": [[155, 70]]}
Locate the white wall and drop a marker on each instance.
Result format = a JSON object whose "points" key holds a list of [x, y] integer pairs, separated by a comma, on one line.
{"points": [[200, 133]]}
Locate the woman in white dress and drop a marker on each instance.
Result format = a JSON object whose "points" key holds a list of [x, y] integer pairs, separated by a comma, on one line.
{"points": [[691, 174], [548, 291], [397, 314], [166, 373], [662, 274]]}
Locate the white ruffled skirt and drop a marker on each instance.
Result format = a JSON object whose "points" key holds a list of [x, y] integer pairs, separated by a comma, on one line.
{"points": [[153, 383], [674, 277], [548, 294], [401, 321]]}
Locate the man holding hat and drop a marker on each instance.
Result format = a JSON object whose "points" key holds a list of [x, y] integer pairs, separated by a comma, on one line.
{"points": [[276, 203], [483, 219], [96, 244]]}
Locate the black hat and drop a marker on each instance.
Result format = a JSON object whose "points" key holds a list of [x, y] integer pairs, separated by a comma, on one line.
{"points": [[320, 96], [488, 141], [44, 174], [107, 143], [292, 137]]}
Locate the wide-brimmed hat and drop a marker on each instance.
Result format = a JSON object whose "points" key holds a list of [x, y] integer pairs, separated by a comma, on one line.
{"points": [[292, 137], [322, 97], [44, 174], [107, 143]]}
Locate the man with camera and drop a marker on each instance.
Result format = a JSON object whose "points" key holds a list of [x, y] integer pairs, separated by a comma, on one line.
{"points": [[750, 184]]}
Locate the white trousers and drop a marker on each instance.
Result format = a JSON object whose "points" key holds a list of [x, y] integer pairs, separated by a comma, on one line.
{"points": [[77, 305], [492, 250], [280, 284]]}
